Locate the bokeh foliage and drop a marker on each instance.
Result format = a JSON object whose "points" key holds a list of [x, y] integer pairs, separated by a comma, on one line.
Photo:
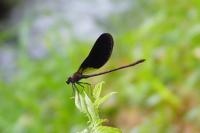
{"points": [[161, 95]]}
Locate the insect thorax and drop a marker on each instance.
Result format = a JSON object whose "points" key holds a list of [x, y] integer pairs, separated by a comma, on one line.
{"points": [[74, 78]]}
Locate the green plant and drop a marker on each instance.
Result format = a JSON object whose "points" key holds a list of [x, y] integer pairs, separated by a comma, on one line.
{"points": [[87, 101]]}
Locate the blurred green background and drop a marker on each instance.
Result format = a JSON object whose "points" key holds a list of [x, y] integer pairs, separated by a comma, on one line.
{"points": [[44, 42]]}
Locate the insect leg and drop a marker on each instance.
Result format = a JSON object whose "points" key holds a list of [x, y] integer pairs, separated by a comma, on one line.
{"points": [[73, 88], [76, 88], [81, 86], [85, 83], [78, 83], [79, 99], [88, 84]]}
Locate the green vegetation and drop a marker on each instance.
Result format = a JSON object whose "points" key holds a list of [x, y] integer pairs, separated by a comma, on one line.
{"points": [[88, 102]]}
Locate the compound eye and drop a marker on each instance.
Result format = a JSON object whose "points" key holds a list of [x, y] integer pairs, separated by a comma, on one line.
{"points": [[68, 80]]}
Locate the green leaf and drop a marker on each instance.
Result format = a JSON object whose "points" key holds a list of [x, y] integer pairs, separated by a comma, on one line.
{"points": [[106, 129], [103, 99], [97, 90], [90, 107], [84, 131], [80, 102], [77, 100]]}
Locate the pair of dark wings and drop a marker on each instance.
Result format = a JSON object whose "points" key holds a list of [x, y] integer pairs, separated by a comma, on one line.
{"points": [[99, 54]]}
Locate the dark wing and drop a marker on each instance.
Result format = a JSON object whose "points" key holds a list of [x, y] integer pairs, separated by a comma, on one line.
{"points": [[99, 54]]}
